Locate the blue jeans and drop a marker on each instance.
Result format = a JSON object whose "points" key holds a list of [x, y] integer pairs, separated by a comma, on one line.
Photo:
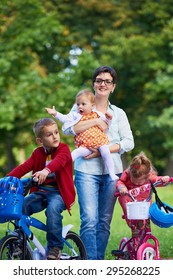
{"points": [[54, 204], [96, 201]]}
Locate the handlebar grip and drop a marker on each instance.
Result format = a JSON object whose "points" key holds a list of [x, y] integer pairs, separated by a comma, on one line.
{"points": [[35, 180]]}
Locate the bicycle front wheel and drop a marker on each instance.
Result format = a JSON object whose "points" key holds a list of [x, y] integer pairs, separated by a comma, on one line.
{"points": [[10, 249], [146, 252], [74, 248]]}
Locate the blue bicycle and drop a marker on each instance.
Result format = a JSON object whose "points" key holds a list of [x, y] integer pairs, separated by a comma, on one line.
{"points": [[20, 243]]}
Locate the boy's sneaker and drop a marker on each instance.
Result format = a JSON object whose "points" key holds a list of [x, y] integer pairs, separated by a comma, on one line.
{"points": [[54, 254]]}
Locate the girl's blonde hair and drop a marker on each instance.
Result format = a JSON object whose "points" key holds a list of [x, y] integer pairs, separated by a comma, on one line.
{"points": [[141, 165], [87, 92]]}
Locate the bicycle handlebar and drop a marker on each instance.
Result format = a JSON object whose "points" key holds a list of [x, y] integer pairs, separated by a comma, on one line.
{"points": [[29, 182], [160, 182]]}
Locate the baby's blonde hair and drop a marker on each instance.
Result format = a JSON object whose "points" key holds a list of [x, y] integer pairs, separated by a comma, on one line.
{"points": [[140, 166], [87, 92]]}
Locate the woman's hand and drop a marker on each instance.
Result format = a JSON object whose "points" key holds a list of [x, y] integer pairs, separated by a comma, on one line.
{"points": [[101, 124], [95, 153], [84, 125]]}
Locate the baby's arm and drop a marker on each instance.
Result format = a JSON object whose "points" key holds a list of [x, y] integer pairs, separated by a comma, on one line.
{"points": [[51, 111], [107, 117], [58, 116]]}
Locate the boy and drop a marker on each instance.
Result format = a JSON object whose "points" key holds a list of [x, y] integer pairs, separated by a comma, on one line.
{"points": [[56, 193]]}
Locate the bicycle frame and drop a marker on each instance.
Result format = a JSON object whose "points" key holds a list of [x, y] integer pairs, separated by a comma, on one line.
{"points": [[132, 250], [16, 242], [23, 224]]}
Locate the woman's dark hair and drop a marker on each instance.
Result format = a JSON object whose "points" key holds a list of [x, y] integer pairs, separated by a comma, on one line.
{"points": [[105, 69]]}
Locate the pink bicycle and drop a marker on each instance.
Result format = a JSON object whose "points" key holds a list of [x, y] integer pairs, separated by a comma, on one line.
{"points": [[144, 245]]}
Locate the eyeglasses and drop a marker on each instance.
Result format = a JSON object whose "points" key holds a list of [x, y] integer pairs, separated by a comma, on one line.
{"points": [[106, 82]]}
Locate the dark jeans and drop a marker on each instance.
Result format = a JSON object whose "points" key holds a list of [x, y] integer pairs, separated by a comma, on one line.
{"points": [[54, 204]]}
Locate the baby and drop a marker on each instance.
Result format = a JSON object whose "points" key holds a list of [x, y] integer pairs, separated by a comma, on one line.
{"points": [[93, 137]]}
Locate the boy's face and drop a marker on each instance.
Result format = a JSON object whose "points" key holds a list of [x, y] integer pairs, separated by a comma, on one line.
{"points": [[50, 137]]}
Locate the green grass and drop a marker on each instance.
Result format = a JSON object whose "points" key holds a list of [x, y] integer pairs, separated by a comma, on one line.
{"points": [[119, 228]]}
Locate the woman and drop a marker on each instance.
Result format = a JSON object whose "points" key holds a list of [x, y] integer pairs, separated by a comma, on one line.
{"points": [[94, 185]]}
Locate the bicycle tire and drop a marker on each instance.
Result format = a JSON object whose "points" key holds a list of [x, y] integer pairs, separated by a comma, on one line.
{"points": [[77, 252], [146, 252], [10, 250]]}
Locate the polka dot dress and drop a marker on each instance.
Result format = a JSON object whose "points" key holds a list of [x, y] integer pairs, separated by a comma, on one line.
{"points": [[92, 137]]}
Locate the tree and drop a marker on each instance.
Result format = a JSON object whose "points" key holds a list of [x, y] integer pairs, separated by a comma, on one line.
{"points": [[49, 51], [26, 30]]}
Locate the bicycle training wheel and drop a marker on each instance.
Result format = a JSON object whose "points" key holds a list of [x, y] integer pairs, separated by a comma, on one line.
{"points": [[146, 252], [10, 249], [74, 248]]}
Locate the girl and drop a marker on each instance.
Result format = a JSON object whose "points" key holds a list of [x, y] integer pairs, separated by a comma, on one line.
{"points": [[139, 173]]}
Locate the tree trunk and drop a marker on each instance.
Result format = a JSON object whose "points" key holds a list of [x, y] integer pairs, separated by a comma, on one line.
{"points": [[169, 167]]}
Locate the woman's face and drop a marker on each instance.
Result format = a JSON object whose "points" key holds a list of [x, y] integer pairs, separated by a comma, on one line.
{"points": [[103, 84]]}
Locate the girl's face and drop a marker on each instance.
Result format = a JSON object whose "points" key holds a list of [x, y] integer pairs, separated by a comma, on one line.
{"points": [[103, 84], [84, 105], [139, 181]]}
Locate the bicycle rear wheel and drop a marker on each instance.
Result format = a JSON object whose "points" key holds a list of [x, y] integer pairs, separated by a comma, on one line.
{"points": [[10, 249], [146, 252], [74, 248]]}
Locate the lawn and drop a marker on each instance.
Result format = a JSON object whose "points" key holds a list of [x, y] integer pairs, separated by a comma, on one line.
{"points": [[118, 227]]}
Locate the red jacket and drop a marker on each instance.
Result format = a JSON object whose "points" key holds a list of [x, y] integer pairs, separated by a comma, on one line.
{"points": [[61, 165]]}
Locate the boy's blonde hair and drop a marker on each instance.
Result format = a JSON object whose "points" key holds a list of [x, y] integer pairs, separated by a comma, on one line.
{"points": [[87, 92], [40, 125], [141, 165]]}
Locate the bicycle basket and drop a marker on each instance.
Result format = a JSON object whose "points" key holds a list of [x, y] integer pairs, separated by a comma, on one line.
{"points": [[10, 207], [11, 199], [138, 210], [162, 216], [11, 184]]}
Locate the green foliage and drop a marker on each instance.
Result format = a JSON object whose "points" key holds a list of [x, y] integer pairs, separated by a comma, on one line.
{"points": [[49, 50]]}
